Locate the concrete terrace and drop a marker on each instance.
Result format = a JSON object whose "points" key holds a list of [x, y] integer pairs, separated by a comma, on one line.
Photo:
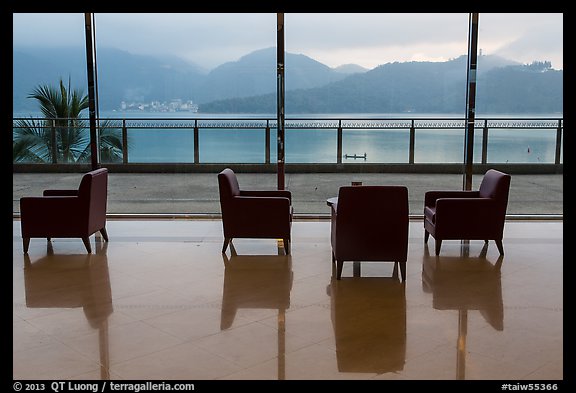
{"points": [[193, 193]]}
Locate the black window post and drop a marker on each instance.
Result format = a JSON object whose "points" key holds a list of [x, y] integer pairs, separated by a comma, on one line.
{"points": [[470, 100], [280, 96], [92, 94]]}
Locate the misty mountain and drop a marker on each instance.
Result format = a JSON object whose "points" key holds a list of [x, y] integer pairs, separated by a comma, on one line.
{"points": [[350, 69], [255, 74], [423, 87], [126, 77], [248, 85], [123, 76], [38, 65]]}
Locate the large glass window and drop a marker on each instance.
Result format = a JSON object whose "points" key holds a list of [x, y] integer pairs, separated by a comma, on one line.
{"points": [[46, 47], [49, 89], [49, 97], [376, 98], [520, 99], [177, 82], [369, 89]]}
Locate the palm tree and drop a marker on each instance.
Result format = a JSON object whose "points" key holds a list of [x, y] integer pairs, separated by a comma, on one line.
{"points": [[61, 106]]}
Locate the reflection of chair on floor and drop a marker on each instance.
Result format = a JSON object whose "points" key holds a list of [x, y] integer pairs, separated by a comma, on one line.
{"points": [[369, 318], [465, 283], [70, 281], [257, 281]]}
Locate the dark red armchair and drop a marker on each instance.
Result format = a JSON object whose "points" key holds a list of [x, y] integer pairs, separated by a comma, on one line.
{"points": [[254, 214], [370, 223], [67, 213], [468, 215]]}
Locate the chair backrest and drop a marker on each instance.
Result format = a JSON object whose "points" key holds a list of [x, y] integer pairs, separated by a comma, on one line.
{"points": [[495, 185], [228, 184], [93, 191], [372, 220], [228, 188]]}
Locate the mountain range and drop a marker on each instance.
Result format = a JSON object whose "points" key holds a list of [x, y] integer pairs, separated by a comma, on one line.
{"points": [[248, 85]]}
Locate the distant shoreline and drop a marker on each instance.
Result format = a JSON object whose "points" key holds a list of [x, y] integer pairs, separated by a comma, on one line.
{"points": [[119, 114]]}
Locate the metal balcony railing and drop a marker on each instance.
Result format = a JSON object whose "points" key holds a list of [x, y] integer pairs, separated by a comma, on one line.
{"points": [[53, 140]]}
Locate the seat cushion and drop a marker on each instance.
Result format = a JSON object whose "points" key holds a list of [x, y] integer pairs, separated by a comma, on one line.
{"points": [[430, 214]]}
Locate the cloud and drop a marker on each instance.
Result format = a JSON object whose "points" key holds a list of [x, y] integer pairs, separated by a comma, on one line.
{"points": [[364, 39]]}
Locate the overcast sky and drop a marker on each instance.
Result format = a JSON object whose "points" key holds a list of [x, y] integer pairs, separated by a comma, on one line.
{"points": [[333, 39]]}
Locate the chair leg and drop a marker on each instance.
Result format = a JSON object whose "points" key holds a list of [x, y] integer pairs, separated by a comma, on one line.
{"points": [[403, 270], [49, 248], [333, 258], [438, 245], [426, 236], [86, 241], [340, 265], [25, 244], [395, 270], [286, 246], [104, 234], [232, 249], [226, 242], [500, 246]]}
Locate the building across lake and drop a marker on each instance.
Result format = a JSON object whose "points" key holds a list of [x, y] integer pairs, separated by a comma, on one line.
{"points": [[175, 105]]}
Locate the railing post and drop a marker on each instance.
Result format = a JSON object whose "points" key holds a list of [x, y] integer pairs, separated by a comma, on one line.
{"points": [[196, 143], [54, 142], [485, 142], [339, 143], [412, 143], [267, 141], [558, 142], [124, 142]]}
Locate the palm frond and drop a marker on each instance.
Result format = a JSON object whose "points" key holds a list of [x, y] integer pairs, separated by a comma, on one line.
{"points": [[110, 142], [62, 105], [48, 97], [32, 141]]}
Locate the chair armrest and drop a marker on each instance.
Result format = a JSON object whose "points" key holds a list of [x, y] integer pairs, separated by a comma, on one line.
{"points": [[267, 194], [430, 197], [334, 207], [257, 215], [261, 204], [452, 211], [60, 193], [50, 207]]}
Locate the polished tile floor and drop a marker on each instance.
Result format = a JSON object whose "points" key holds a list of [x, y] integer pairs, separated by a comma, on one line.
{"points": [[160, 301]]}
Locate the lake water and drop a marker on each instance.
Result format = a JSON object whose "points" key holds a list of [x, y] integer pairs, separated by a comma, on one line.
{"points": [[149, 145]]}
